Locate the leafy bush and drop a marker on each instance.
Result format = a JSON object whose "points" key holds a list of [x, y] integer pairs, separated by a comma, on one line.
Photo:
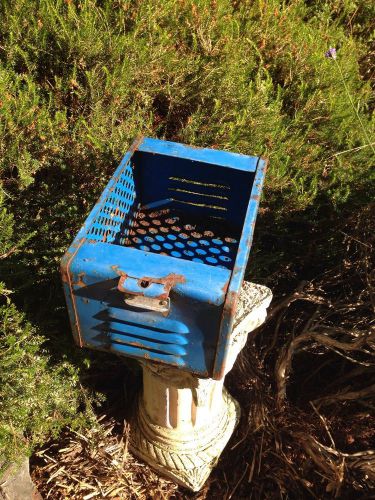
{"points": [[80, 79], [6, 230], [37, 398]]}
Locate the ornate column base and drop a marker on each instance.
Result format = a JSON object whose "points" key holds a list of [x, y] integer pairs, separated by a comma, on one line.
{"points": [[183, 423], [186, 458]]}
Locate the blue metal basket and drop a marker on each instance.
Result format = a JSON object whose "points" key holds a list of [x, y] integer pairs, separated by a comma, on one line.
{"points": [[155, 271]]}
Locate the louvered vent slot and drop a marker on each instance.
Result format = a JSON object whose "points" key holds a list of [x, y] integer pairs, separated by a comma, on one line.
{"points": [[167, 345], [200, 194]]}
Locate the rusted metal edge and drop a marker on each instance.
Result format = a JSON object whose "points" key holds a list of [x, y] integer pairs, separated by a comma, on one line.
{"points": [[231, 298], [65, 268], [65, 271]]}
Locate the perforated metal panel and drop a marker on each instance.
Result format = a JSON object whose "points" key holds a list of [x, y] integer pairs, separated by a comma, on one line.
{"points": [[118, 210], [171, 232]]}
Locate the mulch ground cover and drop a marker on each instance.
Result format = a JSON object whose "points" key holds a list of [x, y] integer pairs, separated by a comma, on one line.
{"points": [[306, 385]]}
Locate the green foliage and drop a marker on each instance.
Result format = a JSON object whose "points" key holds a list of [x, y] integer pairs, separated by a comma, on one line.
{"points": [[37, 398], [6, 229], [80, 79], [27, 126]]}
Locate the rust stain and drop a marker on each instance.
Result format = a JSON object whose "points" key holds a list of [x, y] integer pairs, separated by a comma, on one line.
{"points": [[232, 303], [65, 261], [224, 288], [79, 281], [202, 374], [118, 271], [236, 270], [136, 344], [65, 273], [228, 315], [135, 144], [266, 162]]}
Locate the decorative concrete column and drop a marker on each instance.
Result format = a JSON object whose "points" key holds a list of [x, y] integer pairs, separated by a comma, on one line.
{"points": [[183, 422]]}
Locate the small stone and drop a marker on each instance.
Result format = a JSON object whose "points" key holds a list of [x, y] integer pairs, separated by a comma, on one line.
{"points": [[16, 483]]}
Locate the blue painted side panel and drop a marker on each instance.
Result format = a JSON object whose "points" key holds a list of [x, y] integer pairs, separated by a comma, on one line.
{"points": [[187, 337], [239, 271], [179, 219], [195, 187], [204, 155]]}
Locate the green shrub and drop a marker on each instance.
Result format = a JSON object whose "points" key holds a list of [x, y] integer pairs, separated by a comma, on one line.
{"points": [[37, 397], [80, 79], [6, 229]]}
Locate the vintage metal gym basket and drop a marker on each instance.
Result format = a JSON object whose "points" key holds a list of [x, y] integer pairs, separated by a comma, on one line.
{"points": [[155, 271]]}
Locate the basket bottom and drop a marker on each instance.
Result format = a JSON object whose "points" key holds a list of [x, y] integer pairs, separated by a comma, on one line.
{"points": [[172, 232]]}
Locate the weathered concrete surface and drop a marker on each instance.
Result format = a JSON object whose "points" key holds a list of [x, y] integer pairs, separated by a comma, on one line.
{"points": [[183, 422], [16, 483]]}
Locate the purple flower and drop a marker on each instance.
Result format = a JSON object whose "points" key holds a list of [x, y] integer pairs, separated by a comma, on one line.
{"points": [[331, 53]]}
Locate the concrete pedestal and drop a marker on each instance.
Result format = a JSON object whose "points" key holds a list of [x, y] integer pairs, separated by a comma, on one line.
{"points": [[183, 422]]}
